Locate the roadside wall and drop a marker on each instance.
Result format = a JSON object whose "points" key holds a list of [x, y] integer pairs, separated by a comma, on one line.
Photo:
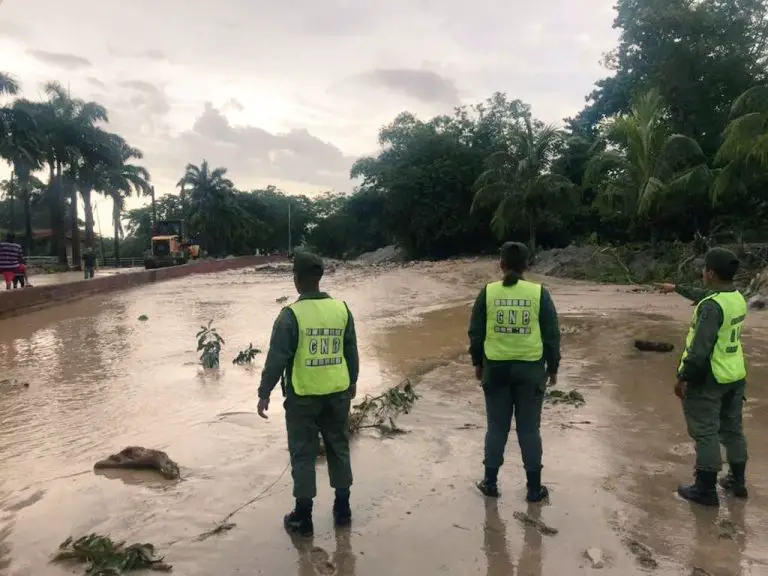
{"points": [[15, 302]]}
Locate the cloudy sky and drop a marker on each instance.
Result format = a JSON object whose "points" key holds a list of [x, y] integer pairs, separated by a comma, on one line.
{"points": [[291, 92]]}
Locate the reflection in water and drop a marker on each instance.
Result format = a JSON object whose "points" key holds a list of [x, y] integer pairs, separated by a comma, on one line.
{"points": [[719, 541], [495, 542], [496, 548], [530, 556], [314, 561]]}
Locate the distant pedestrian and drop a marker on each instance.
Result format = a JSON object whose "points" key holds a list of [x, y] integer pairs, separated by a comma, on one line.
{"points": [[711, 379], [314, 344], [11, 259], [89, 263], [514, 341]]}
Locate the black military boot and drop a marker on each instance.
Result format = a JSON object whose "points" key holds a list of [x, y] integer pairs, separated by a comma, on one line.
{"points": [[736, 480], [342, 512], [536, 491], [703, 491], [299, 522], [489, 485]]}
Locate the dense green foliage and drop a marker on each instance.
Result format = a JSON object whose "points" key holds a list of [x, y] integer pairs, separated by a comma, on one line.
{"points": [[673, 143]]}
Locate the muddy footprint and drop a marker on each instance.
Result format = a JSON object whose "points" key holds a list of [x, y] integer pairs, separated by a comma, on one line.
{"points": [[321, 562], [642, 553]]}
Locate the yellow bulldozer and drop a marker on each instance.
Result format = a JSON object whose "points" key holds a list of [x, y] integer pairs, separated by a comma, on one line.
{"points": [[170, 245]]}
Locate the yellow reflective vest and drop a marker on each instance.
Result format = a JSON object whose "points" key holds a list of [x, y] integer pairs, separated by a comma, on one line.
{"points": [[512, 321], [727, 359], [319, 366]]}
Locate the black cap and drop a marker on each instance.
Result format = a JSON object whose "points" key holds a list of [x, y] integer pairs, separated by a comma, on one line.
{"points": [[514, 255], [307, 265], [722, 262]]}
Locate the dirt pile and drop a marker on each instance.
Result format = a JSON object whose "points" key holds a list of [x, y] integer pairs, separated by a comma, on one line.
{"points": [[382, 255]]}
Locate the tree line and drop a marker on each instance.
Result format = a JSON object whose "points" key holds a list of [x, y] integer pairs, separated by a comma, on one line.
{"points": [[671, 144]]}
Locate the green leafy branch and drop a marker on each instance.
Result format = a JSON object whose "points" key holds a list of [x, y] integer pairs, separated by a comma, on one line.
{"points": [[246, 356], [381, 411], [104, 557], [209, 343]]}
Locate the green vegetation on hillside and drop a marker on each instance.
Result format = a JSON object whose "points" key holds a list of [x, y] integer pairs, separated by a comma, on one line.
{"points": [[671, 145]]}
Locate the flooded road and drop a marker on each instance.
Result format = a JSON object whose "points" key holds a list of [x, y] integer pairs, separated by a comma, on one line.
{"points": [[100, 379]]}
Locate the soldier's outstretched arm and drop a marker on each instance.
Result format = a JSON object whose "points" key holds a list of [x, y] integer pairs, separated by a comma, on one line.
{"points": [[282, 349]]}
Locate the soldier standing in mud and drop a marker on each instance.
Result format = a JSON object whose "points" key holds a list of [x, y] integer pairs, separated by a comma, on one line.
{"points": [[711, 379], [314, 343], [515, 347]]}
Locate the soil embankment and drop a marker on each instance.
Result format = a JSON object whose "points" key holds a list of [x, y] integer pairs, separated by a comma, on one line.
{"points": [[101, 380]]}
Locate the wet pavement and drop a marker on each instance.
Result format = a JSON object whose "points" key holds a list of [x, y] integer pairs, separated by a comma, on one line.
{"points": [[43, 279], [101, 380]]}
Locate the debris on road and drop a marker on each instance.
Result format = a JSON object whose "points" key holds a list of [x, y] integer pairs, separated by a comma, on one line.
{"points": [[653, 346], [573, 397], [143, 318], [380, 411], [103, 556], [595, 556], [536, 523], [281, 300], [209, 343], [138, 458]]}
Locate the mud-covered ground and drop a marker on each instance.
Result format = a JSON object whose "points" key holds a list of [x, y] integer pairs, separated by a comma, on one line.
{"points": [[101, 380]]}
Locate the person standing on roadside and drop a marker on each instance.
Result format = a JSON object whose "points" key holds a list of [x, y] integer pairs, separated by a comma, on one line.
{"points": [[711, 379], [11, 259], [89, 263], [514, 341], [314, 343]]}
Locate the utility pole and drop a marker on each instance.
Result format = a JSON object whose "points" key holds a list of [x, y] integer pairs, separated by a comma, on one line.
{"points": [[12, 200], [154, 208], [289, 227]]}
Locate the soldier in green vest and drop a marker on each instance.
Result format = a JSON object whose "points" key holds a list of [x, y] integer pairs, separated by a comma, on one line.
{"points": [[711, 379], [314, 344], [514, 341]]}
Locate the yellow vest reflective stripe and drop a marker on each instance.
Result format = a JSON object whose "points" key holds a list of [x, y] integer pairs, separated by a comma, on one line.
{"points": [[727, 359], [512, 330], [319, 367]]}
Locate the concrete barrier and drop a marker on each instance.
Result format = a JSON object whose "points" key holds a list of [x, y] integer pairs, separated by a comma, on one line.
{"points": [[13, 302]]}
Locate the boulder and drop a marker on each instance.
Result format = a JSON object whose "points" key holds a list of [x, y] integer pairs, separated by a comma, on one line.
{"points": [[138, 458]]}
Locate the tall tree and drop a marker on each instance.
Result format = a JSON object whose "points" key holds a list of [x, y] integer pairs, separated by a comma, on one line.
{"points": [[700, 55], [121, 180], [212, 207], [644, 165], [518, 183]]}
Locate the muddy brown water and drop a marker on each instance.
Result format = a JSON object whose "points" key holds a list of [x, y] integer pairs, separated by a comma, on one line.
{"points": [[101, 380]]}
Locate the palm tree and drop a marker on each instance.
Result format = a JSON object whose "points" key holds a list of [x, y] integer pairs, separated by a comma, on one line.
{"points": [[8, 84], [119, 181], [210, 197], [518, 182], [744, 151], [643, 164]]}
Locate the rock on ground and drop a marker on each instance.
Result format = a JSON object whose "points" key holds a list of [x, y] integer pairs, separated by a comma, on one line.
{"points": [[138, 458]]}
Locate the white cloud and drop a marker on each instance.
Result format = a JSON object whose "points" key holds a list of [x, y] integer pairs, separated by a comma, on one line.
{"points": [[296, 90]]}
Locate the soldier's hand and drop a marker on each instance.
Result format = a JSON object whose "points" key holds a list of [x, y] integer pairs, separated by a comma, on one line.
{"points": [[263, 407], [479, 373], [552, 380], [681, 387], [352, 391], [666, 287]]}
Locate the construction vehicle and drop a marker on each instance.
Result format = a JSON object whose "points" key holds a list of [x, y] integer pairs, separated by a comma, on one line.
{"points": [[170, 245]]}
